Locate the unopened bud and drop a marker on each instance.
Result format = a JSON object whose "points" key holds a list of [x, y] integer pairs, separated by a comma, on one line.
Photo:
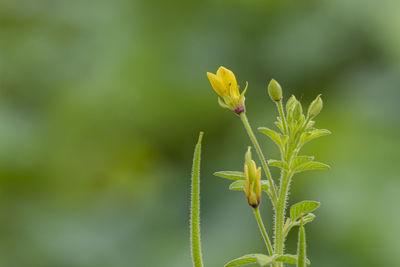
{"points": [[275, 90], [315, 107], [297, 111], [290, 104], [252, 186]]}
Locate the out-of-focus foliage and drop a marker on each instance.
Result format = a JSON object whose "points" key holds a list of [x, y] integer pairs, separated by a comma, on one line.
{"points": [[101, 103]]}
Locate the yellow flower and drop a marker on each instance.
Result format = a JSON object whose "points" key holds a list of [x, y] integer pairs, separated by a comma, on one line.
{"points": [[252, 187], [225, 85]]}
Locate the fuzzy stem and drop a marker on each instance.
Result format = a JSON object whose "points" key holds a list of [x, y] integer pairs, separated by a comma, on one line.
{"points": [[283, 118], [195, 207], [260, 154], [280, 214], [301, 246], [263, 231]]}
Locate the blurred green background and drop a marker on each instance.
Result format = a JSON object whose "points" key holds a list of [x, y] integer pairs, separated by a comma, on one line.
{"points": [[101, 103]]}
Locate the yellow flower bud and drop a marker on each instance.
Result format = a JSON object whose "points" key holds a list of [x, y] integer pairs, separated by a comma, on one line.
{"points": [[225, 85], [315, 107], [252, 187], [275, 90]]}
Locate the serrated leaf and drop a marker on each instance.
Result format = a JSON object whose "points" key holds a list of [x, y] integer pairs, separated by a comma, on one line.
{"points": [[261, 259], [303, 207], [232, 175], [312, 165], [239, 184], [297, 161], [278, 163], [289, 258], [315, 133], [279, 139]]}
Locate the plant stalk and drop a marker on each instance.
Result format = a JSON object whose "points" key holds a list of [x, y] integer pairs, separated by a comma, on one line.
{"points": [[263, 231], [283, 118], [280, 214], [195, 244]]}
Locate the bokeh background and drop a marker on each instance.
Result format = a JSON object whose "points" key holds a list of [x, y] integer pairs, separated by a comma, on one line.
{"points": [[101, 103]]}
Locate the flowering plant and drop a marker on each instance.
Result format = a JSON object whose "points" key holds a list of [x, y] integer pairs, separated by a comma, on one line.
{"points": [[295, 130]]}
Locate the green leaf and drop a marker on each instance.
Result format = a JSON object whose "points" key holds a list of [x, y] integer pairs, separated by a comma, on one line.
{"points": [[311, 165], [315, 133], [239, 184], [232, 175], [265, 185], [306, 219], [278, 163], [297, 161], [301, 246], [279, 124], [279, 139], [289, 258], [195, 244], [261, 259], [303, 207]]}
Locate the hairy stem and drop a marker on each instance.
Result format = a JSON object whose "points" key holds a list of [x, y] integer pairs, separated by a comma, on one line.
{"points": [[195, 207], [280, 214], [301, 246], [283, 118], [263, 231], [260, 154]]}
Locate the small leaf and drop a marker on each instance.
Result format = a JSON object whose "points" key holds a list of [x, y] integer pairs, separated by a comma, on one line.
{"points": [[279, 139], [315, 133], [302, 208], [311, 165], [278, 163], [297, 161], [239, 184], [289, 258], [306, 219], [279, 124], [261, 259], [265, 185], [232, 175]]}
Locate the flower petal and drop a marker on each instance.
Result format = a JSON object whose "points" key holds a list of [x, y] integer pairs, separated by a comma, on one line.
{"points": [[229, 80], [216, 84]]}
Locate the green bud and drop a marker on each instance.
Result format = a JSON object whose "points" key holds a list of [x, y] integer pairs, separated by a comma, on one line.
{"points": [[275, 90], [290, 104], [315, 107], [297, 111], [252, 186]]}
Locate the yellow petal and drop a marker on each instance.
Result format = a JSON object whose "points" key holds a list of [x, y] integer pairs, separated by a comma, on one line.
{"points": [[216, 84], [229, 80]]}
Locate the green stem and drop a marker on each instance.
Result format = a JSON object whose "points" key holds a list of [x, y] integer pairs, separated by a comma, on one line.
{"points": [[195, 207], [263, 231], [283, 118], [280, 214], [260, 154]]}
